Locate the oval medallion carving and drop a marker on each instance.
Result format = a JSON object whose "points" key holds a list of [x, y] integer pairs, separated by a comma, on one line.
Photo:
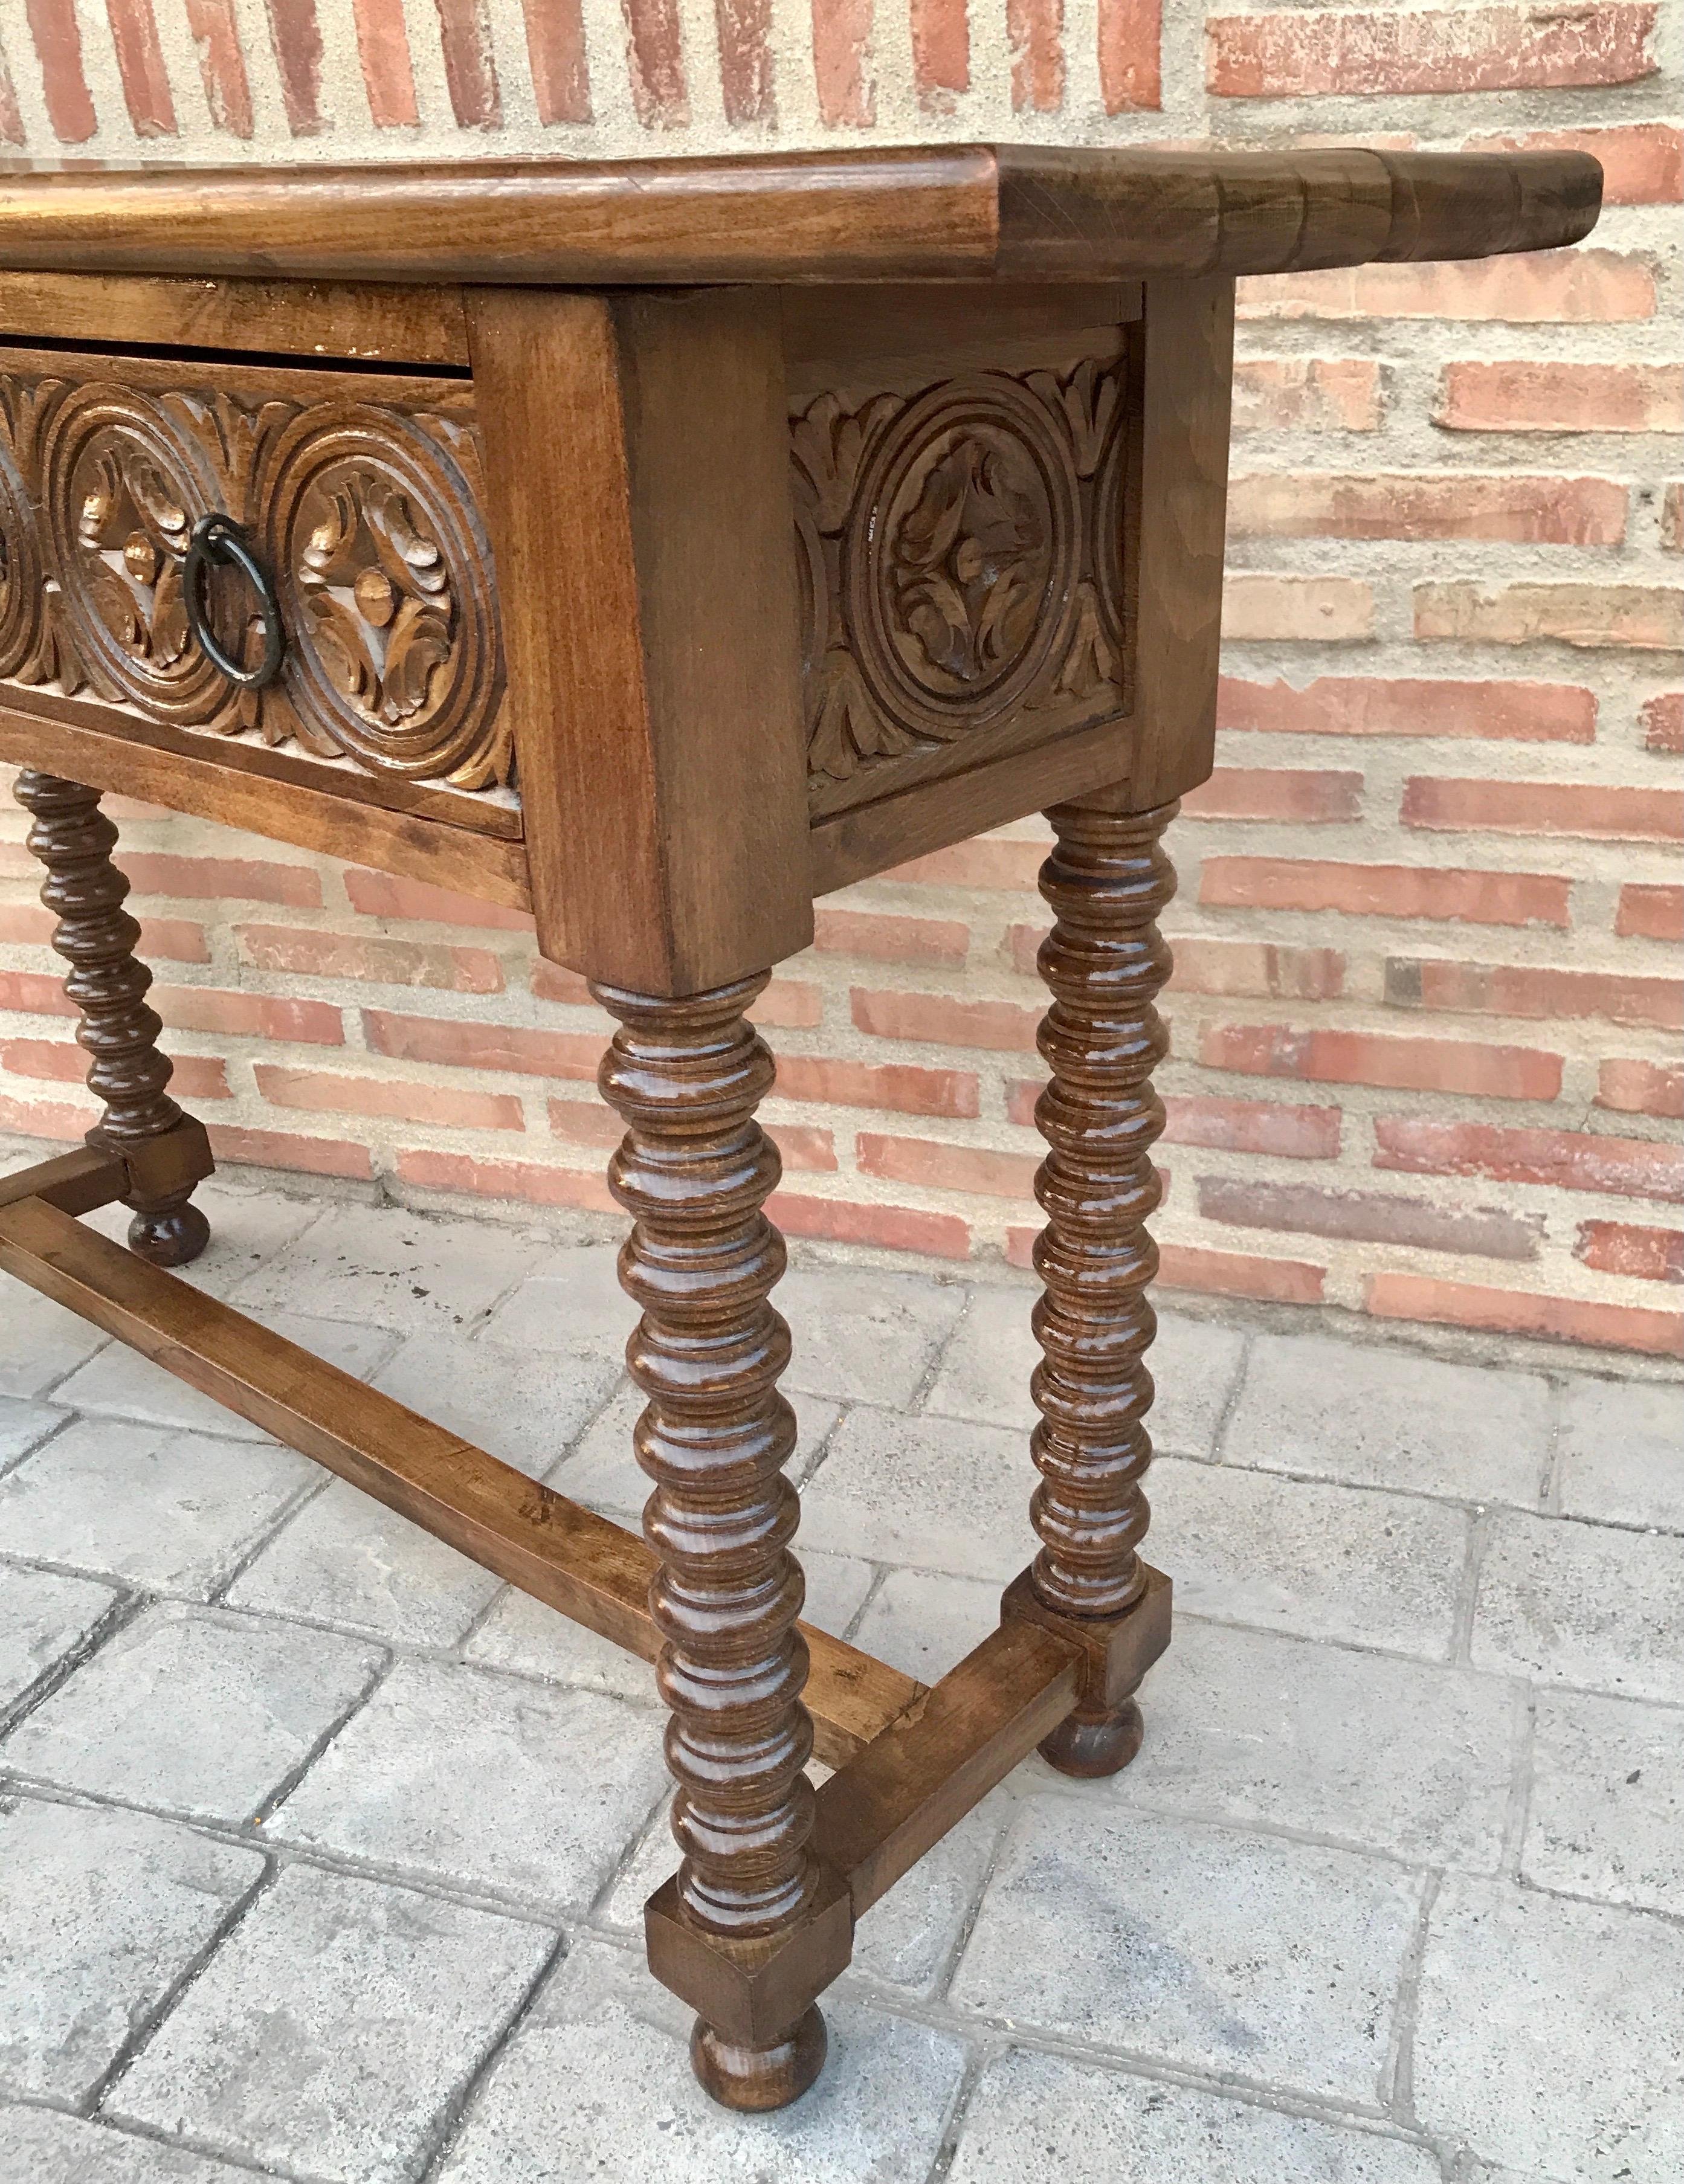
{"points": [[383, 572], [961, 563]]}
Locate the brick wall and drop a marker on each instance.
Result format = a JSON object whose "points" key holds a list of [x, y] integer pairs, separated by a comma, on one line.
{"points": [[1427, 1001]]}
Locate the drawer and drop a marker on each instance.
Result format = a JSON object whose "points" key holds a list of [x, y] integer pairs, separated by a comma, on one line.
{"points": [[361, 495]]}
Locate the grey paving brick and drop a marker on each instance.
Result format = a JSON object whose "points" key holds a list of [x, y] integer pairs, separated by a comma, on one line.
{"points": [[100, 1913], [524, 1635], [22, 1424], [118, 1382], [1327, 1409], [43, 1341], [1548, 2034], [383, 1269], [1384, 1754], [862, 1336], [1322, 1561], [1584, 1604], [604, 1474], [333, 2029], [248, 1225], [345, 1559], [571, 1304], [523, 1408], [200, 1712], [1622, 1452], [938, 1492], [543, 1789], [43, 2146], [43, 1617], [1275, 1963], [596, 2083], [173, 1511], [1032, 2118], [925, 1624], [1606, 1815]]}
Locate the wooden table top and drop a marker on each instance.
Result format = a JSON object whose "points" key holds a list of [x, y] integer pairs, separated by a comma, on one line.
{"points": [[964, 212]]}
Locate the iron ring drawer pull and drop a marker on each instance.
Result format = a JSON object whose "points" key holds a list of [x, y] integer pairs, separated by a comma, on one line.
{"points": [[218, 541]]}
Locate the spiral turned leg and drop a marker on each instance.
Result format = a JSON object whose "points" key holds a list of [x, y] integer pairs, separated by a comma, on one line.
{"points": [[164, 1150], [1106, 881], [749, 1898]]}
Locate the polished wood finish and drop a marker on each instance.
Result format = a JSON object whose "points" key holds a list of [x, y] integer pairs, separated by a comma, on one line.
{"points": [[96, 936], [955, 213], [74, 1183], [1104, 961]]}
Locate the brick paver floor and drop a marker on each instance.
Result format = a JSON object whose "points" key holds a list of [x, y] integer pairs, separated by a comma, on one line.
{"points": [[321, 1852]]}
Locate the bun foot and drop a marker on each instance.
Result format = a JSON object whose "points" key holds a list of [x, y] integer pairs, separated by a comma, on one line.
{"points": [[169, 1239], [757, 2078], [1104, 1745]]}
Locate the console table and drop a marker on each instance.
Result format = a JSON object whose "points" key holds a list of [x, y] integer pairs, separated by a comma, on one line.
{"points": [[658, 546]]}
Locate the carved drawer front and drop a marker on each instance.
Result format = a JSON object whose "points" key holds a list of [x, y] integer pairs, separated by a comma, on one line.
{"points": [[361, 496]]}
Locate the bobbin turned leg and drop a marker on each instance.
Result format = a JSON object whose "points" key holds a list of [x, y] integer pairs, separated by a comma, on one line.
{"points": [[165, 1152], [1104, 961], [752, 1926]]}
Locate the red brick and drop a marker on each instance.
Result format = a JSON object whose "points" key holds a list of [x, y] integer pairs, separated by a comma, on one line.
{"points": [[1232, 1273], [901, 1087], [215, 32], [1130, 38], [887, 939], [43, 1118], [248, 1016], [1356, 705], [891, 1227], [1543, 807], [524, 1181], [240, 1148], [192, 1076], [1525, 989], [1258, 968], [556, 48], [1672, 519], [1034, 31], [1320, 53], [296, 37], [244, 879], [941, 52], [1313, 394], [552, 981], [655, 60], [789, 1004], [461, 1045], [842, 44], [1536, 512], [1631, 1087], [745, 32], [12, 131], [36, 992], [938, 1020], [1565, 1159], [324, 1092], [1385, 890], [163, 940], [1650, 913], [388, 79], [1515, 1312], [1272, 1126], [356, 955], [934, 1166], [1360, 1058], [1275, 792], [1263, 610], [384, 894], [986, 862], [139, 63], [1662, 720], [470, 70], [1581, 287], [1368, 1216], [1640, 161], [1635, 617], [1535, 395], [25, 924], [1621, 1247], [59, 46]]}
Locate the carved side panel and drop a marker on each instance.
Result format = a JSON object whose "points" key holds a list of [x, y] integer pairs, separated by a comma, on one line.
{"points": [[964, 567], [367, 512]]}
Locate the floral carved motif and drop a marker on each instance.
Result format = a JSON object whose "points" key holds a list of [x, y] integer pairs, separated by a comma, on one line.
{"points": [[962, 562], [366, 514]]}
